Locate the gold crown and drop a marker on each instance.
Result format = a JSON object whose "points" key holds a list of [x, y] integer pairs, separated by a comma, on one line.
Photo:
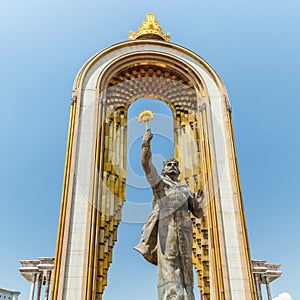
{"points": [[149, 28]]}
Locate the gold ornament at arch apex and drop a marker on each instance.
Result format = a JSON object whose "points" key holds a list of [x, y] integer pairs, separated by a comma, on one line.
{"points": [[149, 28]]}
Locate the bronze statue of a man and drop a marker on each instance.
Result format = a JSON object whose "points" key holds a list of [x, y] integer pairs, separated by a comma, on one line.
{"points": [[167, 235]]}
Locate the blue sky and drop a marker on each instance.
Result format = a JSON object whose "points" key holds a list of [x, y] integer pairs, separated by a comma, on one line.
{"points": [[253, 45]]}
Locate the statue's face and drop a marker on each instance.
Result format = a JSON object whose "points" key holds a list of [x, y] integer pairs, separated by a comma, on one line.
{"points": [[171, 168]]}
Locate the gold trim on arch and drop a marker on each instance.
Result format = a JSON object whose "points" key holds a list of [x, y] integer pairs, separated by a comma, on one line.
{"points": [[241, 208], [64, 203]]}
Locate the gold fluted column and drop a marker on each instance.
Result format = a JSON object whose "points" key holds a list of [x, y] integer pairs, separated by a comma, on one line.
{"points": [[201, 240], [101, 261], [213, 222], [110, 193], [187, 140], [96, 202]]}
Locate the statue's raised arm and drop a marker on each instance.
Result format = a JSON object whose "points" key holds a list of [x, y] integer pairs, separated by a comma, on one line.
{"points": [[167, 236], [150, 171]]}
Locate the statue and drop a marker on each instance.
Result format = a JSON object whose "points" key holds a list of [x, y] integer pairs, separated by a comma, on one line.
{"points": [[167, 235]]}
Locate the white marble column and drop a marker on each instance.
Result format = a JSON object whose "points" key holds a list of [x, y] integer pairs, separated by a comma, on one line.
{"points": [[258, 286], [38, 295], [268, 288], [31, 296], [48, 278]]}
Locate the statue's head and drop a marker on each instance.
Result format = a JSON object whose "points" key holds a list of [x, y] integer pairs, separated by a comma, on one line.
{"points": [[170, 167]]}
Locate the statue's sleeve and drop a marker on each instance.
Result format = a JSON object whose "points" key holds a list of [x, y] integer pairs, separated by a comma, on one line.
{"points": [[196, 205], [150, 171]]}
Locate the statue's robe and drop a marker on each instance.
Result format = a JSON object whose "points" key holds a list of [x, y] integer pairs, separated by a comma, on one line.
{"points": [[167, 237]]}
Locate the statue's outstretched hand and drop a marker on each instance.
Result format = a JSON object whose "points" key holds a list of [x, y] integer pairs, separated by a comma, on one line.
{"points": [[200, 194], [147, 137]]}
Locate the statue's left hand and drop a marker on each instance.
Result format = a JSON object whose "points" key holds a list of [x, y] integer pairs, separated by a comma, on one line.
{"points": [[200, 194]]}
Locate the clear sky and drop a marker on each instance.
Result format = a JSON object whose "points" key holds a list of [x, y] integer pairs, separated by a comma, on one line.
{"points": [[253, 45]]}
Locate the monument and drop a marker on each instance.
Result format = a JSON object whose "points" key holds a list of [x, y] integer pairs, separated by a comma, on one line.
{"points": [[168, 233], [148, 65]]}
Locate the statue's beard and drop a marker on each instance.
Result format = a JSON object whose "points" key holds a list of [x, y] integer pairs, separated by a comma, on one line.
{"points": [[171, 173]]}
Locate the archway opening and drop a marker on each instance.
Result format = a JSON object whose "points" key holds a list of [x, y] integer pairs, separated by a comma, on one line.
{"points": [[155, 81], [130, 275]]}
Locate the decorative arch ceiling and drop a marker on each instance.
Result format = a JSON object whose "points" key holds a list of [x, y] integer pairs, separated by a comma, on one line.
{"points": [[152, 80]]}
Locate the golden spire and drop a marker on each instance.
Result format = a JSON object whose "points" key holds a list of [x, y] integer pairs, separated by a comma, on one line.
{"points": [[150, 28]]}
